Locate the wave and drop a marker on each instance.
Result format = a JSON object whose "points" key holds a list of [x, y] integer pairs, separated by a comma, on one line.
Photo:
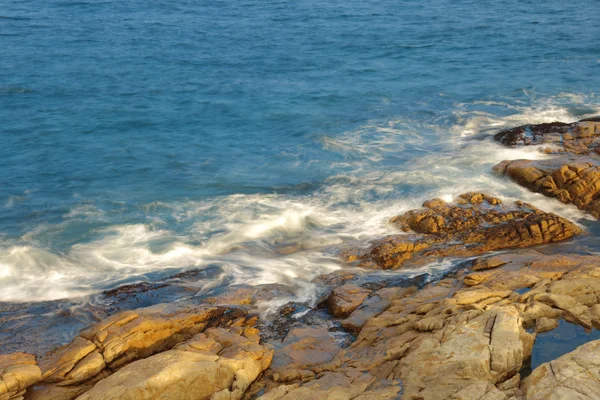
{"points": [[385, 169]]}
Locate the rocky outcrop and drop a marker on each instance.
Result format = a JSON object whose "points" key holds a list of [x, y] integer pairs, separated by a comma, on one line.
{"points": [[575, 375], [568, 179], [572, 176], [157, 352], [18, 371], [578, 138], [464, 337], [216, 364], [475, 224]]}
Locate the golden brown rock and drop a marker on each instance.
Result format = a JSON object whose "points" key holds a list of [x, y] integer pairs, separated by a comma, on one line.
{"points": [[568, 179], [345, 299], [120, 339], [217, 364], [18, 371], [575, 375], [476, 224], [454, 341]]}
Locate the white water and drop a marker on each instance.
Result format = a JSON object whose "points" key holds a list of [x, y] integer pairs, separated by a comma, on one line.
{"points": [[259, 239]]}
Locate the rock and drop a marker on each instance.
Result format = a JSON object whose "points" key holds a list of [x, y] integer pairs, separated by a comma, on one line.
{"points": [[568, 179], [304, 352], [216, 364], [575, 375], [545, 324], [374, 305], [120, 339], [488, 263], [476, 224], [449, 340], [18, 371], [579, 137], [345, 299], [247, 294]]}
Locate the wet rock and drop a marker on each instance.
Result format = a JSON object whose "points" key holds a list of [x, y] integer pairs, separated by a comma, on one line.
{"points": [[575, 375], [303, 350], [374, 305], [247, 294], [345, 299], [216, 364], [18, 371], [578, 137], [475, 224]]}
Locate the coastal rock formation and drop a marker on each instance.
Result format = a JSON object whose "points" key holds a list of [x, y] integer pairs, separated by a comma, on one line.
{"points": [[468, 336], [573, 176], [475, 224], [345, 299], [18, 371], [579, 137], [216, 364], [575, 375], [102, 352], [568, 179], [464, 337]]}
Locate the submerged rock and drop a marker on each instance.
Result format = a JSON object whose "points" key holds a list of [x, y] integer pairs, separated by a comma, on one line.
{"points": [[475, 224]]}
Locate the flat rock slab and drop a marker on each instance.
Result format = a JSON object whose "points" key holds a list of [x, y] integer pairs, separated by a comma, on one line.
{"points": [[474, 224]]}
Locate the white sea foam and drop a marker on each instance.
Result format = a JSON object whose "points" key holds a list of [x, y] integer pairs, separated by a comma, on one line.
{"points": [[270, 238]]}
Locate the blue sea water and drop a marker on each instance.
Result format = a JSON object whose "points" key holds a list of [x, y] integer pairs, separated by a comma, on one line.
{"points": [[139, 138]]}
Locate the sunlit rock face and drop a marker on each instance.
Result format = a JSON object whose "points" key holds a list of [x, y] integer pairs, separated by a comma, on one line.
{"points": [[476, 223]]}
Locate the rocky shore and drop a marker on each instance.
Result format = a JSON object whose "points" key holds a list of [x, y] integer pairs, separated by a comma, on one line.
{"points": [[468, 335]]}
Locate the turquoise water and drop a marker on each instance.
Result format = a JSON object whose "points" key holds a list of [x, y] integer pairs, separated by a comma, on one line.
{"points": [[141, 138]]}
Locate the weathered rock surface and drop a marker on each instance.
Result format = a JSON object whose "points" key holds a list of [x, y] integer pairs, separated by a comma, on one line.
{"points": [[216, 364], [345, 299], [573, 177], [18, 371], [575, 375], [578, 137], [568, 179], [105, 348], [460, 338], [475, 224], [467, 336]]}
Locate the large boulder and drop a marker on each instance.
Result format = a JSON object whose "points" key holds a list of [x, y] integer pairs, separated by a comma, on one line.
{"points": [[475, 224]]}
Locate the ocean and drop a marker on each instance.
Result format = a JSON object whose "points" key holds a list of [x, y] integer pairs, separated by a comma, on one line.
{"points": [[145, 138]]}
